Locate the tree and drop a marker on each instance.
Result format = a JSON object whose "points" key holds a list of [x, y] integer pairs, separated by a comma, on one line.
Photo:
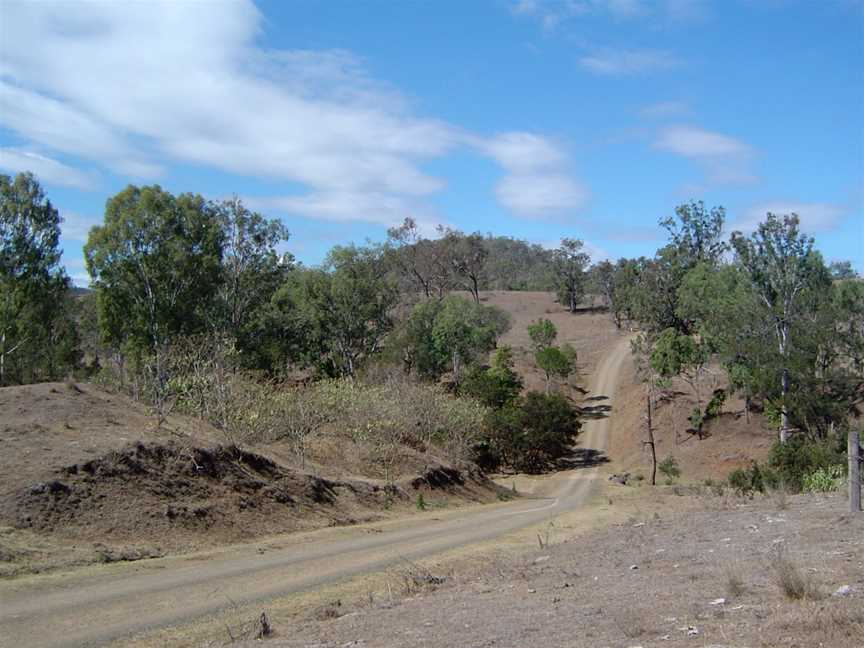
{"points": [[677, 354], [497, 385], [555, 362], [841, 270], [340, 313], [251, 272], [447, 334], [542, 333], [532, 432], [413, 255], [469, 256], [698, 234], [785, 273], [155, 265], [37, 337], [569, 263]]}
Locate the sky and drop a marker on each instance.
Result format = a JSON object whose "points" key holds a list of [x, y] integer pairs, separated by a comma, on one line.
{"points": [[535, 119]]}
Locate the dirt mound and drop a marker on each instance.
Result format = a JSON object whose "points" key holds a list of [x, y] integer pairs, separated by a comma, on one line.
{"points": [[167, 492]]}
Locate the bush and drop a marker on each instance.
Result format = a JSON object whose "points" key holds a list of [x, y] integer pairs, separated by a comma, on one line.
{"points": [[824, 480], [757, 478], [493, 386], [712, 410], [669, 467], [799, 457], [532, 432]]}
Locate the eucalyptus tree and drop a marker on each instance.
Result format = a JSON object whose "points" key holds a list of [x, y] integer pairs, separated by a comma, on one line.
{"points": [[569, 263], [37, 335], [788, 277]]}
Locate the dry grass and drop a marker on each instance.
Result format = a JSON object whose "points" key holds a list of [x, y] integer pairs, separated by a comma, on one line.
{"points": [[734, 580], [795, 583]]}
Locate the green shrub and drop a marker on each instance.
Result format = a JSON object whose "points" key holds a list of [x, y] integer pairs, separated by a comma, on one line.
{"points": [[669, 467], [494, 386], [532, 432], [712, 410], [757, 478], [799, 457], [824, 480]]}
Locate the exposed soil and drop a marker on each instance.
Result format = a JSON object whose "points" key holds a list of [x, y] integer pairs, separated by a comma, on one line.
{"points": [[706, 577], [731, 440]]}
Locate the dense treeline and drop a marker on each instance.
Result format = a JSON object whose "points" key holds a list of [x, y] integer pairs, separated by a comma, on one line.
{"points": [[167, 270]]}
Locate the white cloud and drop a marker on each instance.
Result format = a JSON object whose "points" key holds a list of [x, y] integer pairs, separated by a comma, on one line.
{"points": [[537, 183], [47, 170], [698, 143], [611, 62], [724, 159], [76, 227], [815, 217], [135, 87]]}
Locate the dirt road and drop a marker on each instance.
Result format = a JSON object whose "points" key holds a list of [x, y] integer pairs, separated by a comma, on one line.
{"points": [[95, 608]]}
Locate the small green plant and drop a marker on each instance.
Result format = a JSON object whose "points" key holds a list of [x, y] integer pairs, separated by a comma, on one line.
{"points": [[824, 480], [421, 502], [669, 468], [712, 410], [696, 419]]}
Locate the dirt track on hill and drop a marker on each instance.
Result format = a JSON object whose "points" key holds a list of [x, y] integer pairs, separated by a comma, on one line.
{"points": [[95, 608]]}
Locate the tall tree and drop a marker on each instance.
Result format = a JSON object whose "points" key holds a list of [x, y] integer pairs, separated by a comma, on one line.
{"points": [[698, 233], [37, 339], [155, 265], [252, 269], [569, 262], [340, 312], [786, 275]]}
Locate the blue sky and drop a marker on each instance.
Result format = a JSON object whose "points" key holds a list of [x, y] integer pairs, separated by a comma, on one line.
{"points": [[539, 120]]}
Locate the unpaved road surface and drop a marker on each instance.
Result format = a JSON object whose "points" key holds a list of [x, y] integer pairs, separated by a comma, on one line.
{"points": [[96, 608]]}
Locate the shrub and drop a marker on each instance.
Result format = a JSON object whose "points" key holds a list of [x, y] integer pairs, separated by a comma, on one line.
{"points": [[799, 457], [824, 480], [712, 409], [493, 386], [746, 481], [669, 467], [532, 432]]}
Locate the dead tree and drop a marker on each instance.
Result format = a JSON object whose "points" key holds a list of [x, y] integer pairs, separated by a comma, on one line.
{"points": [[854, 452], [650, 442]]}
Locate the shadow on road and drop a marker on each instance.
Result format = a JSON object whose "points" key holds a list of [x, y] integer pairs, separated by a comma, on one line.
{"points": [[582, 458]]}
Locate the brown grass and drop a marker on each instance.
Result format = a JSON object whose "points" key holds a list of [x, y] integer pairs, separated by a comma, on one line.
{"points": [[795, 583]]}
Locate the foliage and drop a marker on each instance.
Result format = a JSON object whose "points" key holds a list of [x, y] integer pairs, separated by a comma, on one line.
{"points": [[496, 385], [757, 478], [824, 480], [669, 467], [798, 457], [155, 265], [442, 335], [38, 339], [251, 271], [697, 234], [569, 263], [556, 362], [532, 432], [338, 315], [715, 405], [542, 333]]}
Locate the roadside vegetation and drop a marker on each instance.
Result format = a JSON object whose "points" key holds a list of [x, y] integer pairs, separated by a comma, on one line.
{"points": [[195, 307]]}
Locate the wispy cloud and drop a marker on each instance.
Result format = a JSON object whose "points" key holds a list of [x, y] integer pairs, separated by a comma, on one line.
{"points": [[15, 160], [346, 146], [664, 109], [611, 62], [538, 182], [553, 13], [724, 159], [76, 227]]}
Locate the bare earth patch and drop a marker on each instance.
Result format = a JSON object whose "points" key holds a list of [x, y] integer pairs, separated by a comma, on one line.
{"points": [[696, 578]]}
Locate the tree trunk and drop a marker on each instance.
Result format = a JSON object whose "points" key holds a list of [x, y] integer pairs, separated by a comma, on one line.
{"points": [[784, 412], [650, 442], [475, 290], [854, 451]]}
